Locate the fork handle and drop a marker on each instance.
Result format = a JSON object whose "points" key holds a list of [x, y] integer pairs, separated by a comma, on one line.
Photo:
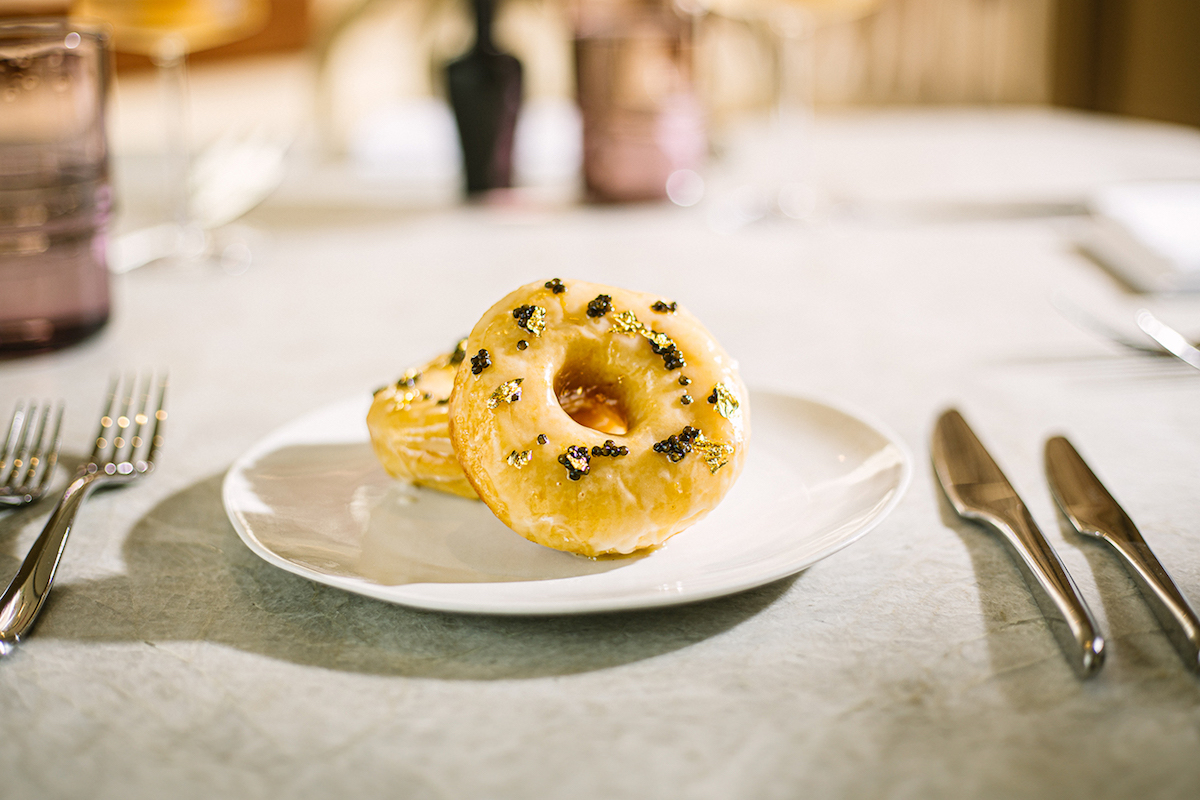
{"points": [[24, 597]]}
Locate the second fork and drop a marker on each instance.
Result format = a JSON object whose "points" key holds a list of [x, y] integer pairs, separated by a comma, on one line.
{"points": [[124, 450]]}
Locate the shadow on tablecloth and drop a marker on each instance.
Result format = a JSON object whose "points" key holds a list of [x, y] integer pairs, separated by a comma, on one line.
{"points": [[189, 577], [1026, 662]]}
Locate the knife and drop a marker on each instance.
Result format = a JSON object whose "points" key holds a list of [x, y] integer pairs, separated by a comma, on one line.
{"points": [[1171, 339], [979, 491], [1094, 512]]}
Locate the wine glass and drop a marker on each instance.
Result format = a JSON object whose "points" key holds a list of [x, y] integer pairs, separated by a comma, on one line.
{"points": [[778, 171], [167, 31]]}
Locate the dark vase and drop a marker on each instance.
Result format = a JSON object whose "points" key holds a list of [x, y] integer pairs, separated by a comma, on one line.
{"points": [[485, 92]]}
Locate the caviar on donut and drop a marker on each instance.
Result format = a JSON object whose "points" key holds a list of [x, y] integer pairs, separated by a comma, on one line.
{"points": [[579, 433], [407, 421]]}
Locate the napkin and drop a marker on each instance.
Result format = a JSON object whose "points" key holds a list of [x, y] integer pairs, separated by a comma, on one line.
{"points": [[1148, 234]]}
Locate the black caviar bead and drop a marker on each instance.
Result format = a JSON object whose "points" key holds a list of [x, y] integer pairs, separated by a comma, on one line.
{"points": [[609, 449], [522, 344], [686, 399], [556, 286], [676, 446], [672, 358], [480, 361], [542, 438], [712, 398], [663, 307], [600, 306], [684, 380]]}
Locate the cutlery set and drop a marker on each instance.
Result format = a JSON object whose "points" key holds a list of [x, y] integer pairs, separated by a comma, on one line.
{"points": [[979, 491], [125, 448]]}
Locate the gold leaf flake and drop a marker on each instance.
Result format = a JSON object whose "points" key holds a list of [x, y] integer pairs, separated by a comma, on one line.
{"points": [[626, 322], [531, 318], [576, 458], [507, 392], [520, 459], [726, 402], [715, 454], [403, 398], [660, 339]]}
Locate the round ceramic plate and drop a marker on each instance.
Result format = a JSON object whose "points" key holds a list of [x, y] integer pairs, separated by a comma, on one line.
{"points": [[312, 499]]}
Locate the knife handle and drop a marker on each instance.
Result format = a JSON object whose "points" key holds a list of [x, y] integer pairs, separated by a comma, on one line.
{"points": [[1092, 511], [1055, 592], [1177, 618]]}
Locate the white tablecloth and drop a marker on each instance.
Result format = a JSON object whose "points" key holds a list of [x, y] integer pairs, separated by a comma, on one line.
{"points": [[171, 661]]}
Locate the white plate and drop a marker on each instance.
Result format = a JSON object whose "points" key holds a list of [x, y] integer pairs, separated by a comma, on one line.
{"points": [[312, 499]]}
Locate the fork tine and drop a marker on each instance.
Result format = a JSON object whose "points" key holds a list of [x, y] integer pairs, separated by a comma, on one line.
{"points": [[106, 421], [142, 418], [20, 450], [157, 420], [10, 442], [47, 453], [32, 454], [122, 450]]}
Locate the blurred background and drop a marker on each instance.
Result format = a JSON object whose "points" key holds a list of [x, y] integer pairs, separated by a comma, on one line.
{"points": [[348, 101], [1135, 57]]}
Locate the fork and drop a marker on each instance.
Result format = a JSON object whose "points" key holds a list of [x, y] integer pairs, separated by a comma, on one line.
{"points": [[28, 458], [125, 450]]}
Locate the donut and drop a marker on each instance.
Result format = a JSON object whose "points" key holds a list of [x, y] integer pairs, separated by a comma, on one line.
{"points": [[407, 422], [597, 420]]}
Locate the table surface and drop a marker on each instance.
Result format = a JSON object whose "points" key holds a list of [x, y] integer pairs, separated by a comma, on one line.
{"points": [[172, 661]]}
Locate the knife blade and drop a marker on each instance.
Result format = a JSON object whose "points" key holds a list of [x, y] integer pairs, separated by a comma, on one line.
{"points": [[1171, 339], [1094, 512], [979, 491]]}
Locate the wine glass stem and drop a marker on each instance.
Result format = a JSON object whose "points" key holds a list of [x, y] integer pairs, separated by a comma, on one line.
{"points": [[171, 64], [796, 79]]}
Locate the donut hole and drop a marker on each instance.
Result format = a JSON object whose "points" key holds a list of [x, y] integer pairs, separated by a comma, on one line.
{"points": [[593, 407], [592, 397]]}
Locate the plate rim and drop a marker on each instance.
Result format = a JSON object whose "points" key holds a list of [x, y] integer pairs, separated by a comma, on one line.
{"points": [[590, 605]]}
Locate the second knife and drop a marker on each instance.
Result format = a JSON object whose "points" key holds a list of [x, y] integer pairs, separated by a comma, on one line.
{"points": [[979, 491], [1094, 512]]}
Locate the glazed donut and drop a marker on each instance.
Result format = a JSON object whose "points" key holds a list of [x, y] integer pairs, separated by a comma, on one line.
{"points": [[597, 420], [408, 426]]}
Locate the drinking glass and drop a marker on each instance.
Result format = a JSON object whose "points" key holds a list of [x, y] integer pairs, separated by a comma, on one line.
{"points": [[644, 131], [55, 195], [773, 173]]}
